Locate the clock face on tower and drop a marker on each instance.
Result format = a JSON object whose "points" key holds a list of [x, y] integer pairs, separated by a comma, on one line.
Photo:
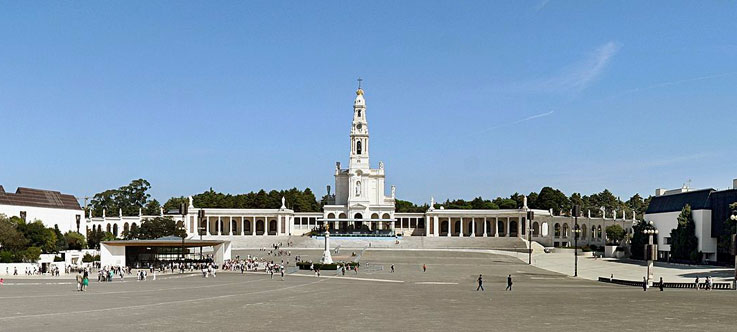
{"points": [[359, 126]]}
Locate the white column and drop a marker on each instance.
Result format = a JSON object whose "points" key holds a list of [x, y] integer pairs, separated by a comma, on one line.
{"points": [[507, 228], [266, 226], [496, 226], [485, 227], [427, 225], [436, 231], [394, 230], [219, 227], [278, 225], [450, 226], [520, 228], [460, 231], [207, 225], [230, 225], [473, 227]]}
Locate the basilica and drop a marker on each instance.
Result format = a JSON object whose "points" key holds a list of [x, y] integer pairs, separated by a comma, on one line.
{"points": [[360, 206]]}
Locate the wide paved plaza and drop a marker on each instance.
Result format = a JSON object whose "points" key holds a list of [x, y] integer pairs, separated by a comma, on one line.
{"points": [[442, 299]]}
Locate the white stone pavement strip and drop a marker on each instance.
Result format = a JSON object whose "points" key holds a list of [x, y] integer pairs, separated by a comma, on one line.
{"points": [[341, 277], [148, 305], [132, 291], [435, 283]]}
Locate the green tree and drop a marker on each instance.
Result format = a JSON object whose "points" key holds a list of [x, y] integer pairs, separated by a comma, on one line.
{"points": [[639, 239], [61, 243], [93, 238], [32, 254], [614, 234], [550, 198], [152, 208], [729, 227], [75, 241], [155, 228], [38, 235], [684, 243], [129, 199]]}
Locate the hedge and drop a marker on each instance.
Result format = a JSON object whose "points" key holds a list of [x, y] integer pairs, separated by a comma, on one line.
{"points": [[321, 266]]}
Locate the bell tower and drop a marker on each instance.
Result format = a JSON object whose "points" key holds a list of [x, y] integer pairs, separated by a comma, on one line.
{"points": [[359, 133]]}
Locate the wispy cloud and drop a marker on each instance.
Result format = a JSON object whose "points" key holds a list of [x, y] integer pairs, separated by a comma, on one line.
{"points": [[540, 5], [531, 117], [577, 76], [672, 83], [581, 75]]}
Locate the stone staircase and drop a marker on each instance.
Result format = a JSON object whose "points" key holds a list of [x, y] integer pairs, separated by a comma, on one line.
{"points": [[417, 242]]}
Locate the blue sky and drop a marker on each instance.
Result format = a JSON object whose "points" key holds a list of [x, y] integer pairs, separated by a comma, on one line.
{"points": [[464, 98]]}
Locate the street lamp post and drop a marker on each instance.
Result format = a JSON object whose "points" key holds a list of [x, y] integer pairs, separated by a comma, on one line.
{"points": [[530, 218], [650, 251], [576, 232], [733, 246]]}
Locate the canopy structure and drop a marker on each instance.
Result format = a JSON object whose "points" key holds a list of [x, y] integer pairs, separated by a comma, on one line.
{"points": [[144, 253]]}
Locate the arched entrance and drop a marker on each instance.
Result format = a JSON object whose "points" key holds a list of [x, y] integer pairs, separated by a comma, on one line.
{"points": [[501, 228], [115, 230], [234, 227], [457, 226], [357, 220], [343, 223], [247, 227], [535, 229], [513, 228], [260, 229], [444, 228], [272, 227]]}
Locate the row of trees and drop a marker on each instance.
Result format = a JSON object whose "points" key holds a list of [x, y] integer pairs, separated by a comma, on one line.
{"points": [[22, 241], [297, 200], [547, 198]]}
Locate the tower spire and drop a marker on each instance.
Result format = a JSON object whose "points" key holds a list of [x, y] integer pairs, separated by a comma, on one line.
{"points": [[359, 82]]}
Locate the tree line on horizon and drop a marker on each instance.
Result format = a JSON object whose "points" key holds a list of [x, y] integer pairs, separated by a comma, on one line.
{"points": [[134, 196], [548, 198]]}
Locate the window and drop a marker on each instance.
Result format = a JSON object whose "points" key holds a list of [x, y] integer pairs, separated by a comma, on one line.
{"points": [[358, 147], [668, 240], [359, 113]]}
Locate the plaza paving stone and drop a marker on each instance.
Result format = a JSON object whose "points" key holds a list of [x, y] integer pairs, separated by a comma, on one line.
{"points": [[442, 299]]}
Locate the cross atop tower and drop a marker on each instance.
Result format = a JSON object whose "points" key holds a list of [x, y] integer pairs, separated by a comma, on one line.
{"points": [[359, 82]]}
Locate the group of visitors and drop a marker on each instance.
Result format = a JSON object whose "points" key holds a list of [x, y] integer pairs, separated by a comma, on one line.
{"points": [[480, 281]]}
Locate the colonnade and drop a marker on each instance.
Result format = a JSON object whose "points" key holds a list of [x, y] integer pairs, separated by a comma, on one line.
{"points": [[477, 226]]}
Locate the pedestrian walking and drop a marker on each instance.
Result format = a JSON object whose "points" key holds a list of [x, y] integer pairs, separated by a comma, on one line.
{"points": [[509, 283], [644, 284], [480, 280], [661, 284], [282, 273], [424, 268], [79, 281], [392, 267], [696, 283]]}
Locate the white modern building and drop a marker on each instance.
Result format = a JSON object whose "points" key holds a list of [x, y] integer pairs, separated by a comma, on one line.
{"points": [[361, 205], [709, 209], [50, 207]]}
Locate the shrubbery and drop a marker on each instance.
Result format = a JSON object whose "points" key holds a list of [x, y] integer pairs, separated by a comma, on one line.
{"points": [[87, 258], [321, 266]]}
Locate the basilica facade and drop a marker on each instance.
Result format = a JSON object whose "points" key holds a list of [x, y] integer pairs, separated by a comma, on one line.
{"points": [[361, 205]]}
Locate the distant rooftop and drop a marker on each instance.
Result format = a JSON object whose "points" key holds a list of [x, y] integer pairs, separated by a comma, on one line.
{"points": [[39, 198]]}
